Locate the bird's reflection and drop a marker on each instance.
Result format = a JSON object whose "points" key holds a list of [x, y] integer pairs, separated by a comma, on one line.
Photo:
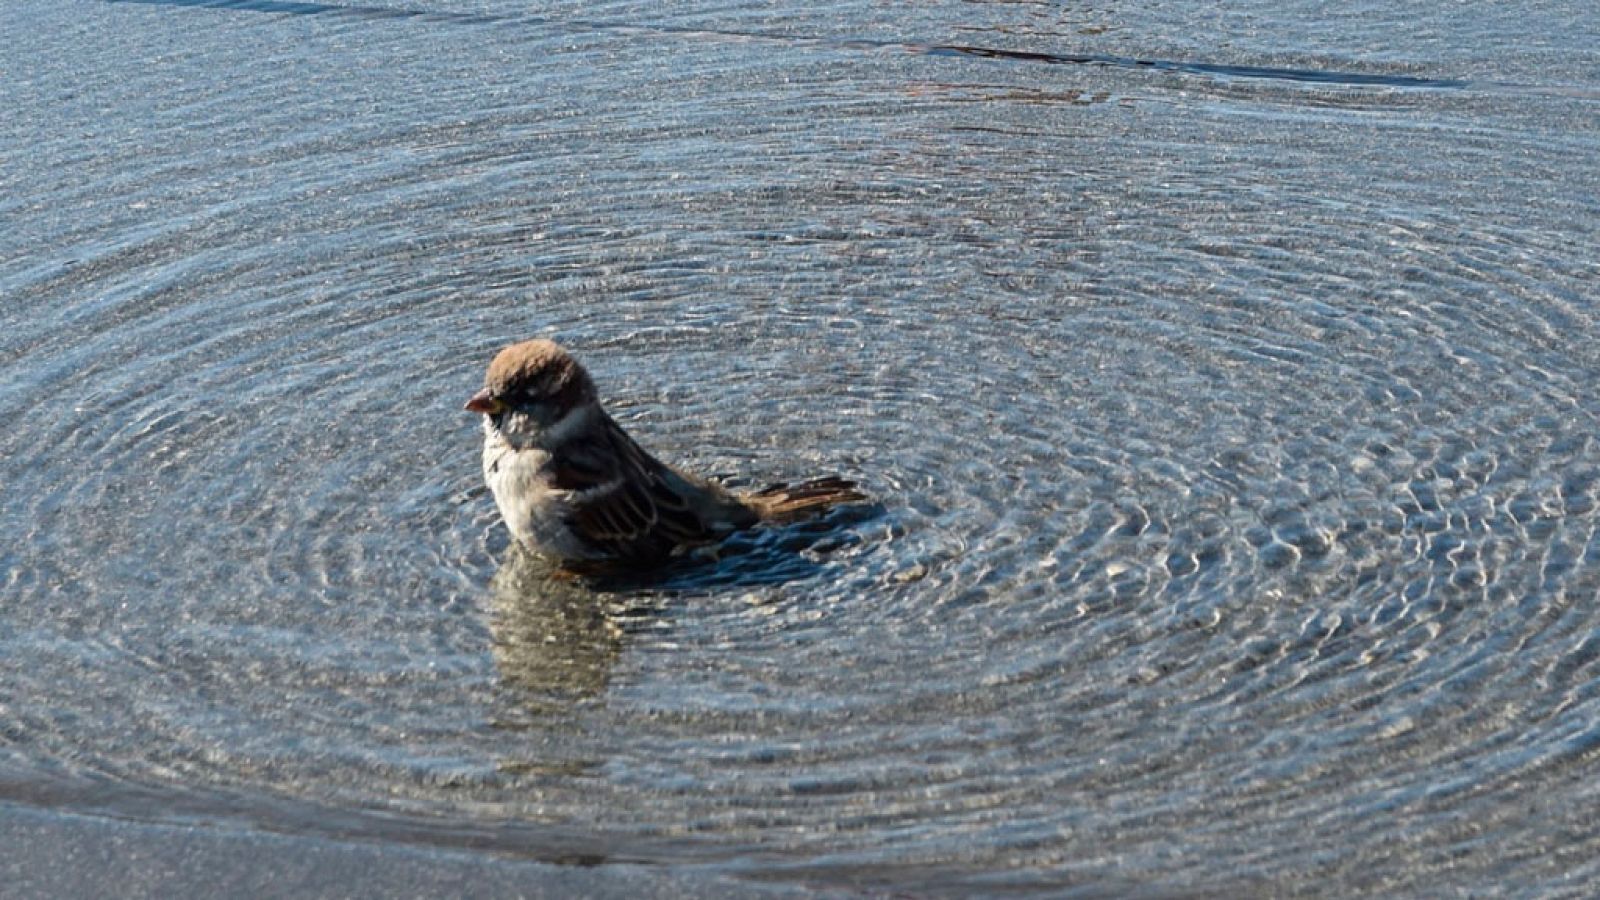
{"points": [[557, 636], [555, 639]]}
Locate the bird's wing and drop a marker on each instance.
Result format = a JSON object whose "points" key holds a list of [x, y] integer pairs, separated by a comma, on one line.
{"points": [[639, 508]]}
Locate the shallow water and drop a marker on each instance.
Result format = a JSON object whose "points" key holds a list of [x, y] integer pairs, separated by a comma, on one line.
{"points": [[1223, 376]]}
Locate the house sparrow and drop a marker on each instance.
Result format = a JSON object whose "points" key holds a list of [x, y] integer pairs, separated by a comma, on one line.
{"points": [[572, 486]]}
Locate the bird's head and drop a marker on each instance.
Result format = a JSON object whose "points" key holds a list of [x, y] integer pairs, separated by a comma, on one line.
{"points": [[530, 388]]}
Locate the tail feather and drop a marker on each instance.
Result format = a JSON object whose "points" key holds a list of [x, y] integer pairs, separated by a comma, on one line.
{"points": [[791, 502]]}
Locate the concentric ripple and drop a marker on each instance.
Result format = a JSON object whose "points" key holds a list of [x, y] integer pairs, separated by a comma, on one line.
{"points": [[1231, 438]]}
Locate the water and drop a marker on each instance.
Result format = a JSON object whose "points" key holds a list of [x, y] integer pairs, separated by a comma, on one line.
{"points": [[1223, 375]]}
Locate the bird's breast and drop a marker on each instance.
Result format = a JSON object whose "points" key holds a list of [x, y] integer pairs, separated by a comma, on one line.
{"points": [[535, 512]]}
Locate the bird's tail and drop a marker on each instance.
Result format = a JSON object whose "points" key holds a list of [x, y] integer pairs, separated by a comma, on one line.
{"points": [[791, 502]]}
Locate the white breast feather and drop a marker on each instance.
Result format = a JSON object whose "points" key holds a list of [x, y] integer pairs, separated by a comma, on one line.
{"points": [[534, 512]]}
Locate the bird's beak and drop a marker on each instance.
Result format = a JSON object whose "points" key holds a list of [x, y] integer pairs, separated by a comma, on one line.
{"points": [[482, 402]]}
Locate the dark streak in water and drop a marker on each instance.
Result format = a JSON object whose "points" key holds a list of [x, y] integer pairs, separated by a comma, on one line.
{"points": [[1218, 70], [288, 7], [1315, 76]]}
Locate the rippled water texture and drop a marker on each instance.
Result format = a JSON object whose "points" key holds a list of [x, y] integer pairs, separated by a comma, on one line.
{"points": [[1225, 378]]}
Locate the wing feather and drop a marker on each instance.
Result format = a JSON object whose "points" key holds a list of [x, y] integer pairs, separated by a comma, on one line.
{"points": [[642, 509]]}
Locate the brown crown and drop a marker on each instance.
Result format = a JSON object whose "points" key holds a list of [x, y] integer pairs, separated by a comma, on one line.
{"points": [[542, 368]]}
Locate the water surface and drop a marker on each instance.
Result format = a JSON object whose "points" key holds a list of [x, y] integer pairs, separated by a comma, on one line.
{"points": [[1224, 376]]}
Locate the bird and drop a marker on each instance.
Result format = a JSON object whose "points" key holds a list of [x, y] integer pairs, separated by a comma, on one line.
{"points": [[573, 487]]}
